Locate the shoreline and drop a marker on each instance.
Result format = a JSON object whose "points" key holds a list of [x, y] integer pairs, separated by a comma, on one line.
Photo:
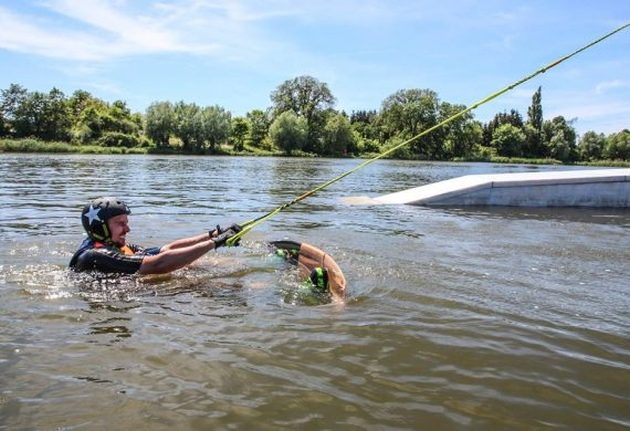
{"points": [[32, 146]]}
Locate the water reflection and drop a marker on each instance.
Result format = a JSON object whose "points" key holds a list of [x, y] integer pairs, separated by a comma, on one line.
{"points": [[612, 216]]}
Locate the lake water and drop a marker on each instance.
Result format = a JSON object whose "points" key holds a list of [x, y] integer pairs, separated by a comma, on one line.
{"points": [[456, 319]]}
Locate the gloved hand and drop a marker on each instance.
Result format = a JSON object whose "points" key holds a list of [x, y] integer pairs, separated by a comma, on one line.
{"points": [[218, 230], [234, 226], [220, 240]]}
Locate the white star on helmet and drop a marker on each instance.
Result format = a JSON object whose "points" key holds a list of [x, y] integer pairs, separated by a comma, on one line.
{"points": [[92, 215]]}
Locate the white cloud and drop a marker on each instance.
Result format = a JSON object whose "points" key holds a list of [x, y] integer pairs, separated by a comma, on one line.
{"points": [[594, 110], [106, 29], [605, 86], [20, 35], [101, 31]]}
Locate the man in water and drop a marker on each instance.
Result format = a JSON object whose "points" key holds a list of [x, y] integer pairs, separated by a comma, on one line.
{"points": [[106, 250]]}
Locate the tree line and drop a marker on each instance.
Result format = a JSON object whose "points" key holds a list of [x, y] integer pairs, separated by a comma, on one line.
{"points": [[302, 120]]}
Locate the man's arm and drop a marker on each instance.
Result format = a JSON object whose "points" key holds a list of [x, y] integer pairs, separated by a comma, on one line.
{"points": [[172, 258], [186, 242], [175, 258]]}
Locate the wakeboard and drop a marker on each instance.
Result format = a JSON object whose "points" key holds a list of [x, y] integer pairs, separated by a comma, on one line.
{"points": [[315, 265]]}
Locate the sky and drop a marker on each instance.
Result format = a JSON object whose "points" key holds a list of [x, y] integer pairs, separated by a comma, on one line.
{"points": [[234, 53]]}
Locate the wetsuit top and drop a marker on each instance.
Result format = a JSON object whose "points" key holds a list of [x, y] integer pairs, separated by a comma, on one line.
{"points": [[96, 256]]}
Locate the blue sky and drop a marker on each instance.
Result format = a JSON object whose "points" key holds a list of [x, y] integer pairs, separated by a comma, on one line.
{"points": [[234, 53]]}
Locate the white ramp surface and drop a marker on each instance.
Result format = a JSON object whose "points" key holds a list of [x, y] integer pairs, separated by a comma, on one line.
{"points": [[575, 188]]}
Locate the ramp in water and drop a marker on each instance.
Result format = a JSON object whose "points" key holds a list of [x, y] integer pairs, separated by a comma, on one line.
{"points": [[575, 188]]}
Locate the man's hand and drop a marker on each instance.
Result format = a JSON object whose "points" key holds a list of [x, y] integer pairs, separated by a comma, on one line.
{"points": [[222, 238], [218, 230]]}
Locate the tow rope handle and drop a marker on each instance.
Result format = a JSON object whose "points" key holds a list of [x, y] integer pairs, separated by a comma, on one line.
{"points": [[249, 225]]}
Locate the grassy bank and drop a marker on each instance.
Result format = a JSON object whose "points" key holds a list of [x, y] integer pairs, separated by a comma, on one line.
{"points": [[524, 161], [607, 163], [36, 146], [510, 160]]}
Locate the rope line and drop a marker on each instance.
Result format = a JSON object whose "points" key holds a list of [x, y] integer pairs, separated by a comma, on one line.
{"points": [[249, 225]]}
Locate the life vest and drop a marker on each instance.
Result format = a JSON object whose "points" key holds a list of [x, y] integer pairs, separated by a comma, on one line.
{"points": [[124, 249]]}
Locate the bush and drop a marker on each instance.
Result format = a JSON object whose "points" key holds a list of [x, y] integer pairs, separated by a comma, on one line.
{"points": [[117, 139], [29, 145]]}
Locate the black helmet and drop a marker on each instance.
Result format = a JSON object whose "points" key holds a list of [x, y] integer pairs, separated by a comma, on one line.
{"points": [[96, 213]]}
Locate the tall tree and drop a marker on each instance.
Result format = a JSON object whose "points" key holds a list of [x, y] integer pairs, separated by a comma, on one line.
{"points": [[304, 95], [240, 129], [11, 100], [309, 98], [37, 114], [188, 126], [258, 127], [559, 139], [406, 113], [56, 120], [460, 135], [160, 123], [85, 113], [217, 125], [534, 129]]}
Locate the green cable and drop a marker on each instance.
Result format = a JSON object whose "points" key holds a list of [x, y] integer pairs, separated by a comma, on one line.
{"points": [[249, 225]]}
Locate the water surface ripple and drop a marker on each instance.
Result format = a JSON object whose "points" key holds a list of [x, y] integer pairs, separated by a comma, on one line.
{"points": [[460, 318]]}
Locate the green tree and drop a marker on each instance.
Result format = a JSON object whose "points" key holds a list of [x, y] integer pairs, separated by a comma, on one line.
{"points": [[618, 146], [365, 123], [11, 100], [160, 123], [508, 140], [94, 119], [189, 126], [85, 116], [309, 98], [240, 129], [338, 137], [90, 124], [38, 114], [120, 119], [591, 146], [56, 122], [258, 127], [460, 135], [289, 132], [513, 117], [29, 115], [77, 103], [406, 113], [216, 126], [534, 131], [463, 141], [560, 139]]}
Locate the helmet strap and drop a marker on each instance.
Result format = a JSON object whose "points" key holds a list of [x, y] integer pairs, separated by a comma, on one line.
{"points": [[108, 236]]}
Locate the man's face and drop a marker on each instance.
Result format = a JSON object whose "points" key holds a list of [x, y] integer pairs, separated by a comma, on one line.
{"points": [[118, 227]]}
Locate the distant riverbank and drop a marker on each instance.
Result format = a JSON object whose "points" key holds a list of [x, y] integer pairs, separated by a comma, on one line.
{"points": [[37, 146]]}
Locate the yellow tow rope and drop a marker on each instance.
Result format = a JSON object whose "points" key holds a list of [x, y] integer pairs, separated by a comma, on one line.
{"points": [[249, 225]]}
